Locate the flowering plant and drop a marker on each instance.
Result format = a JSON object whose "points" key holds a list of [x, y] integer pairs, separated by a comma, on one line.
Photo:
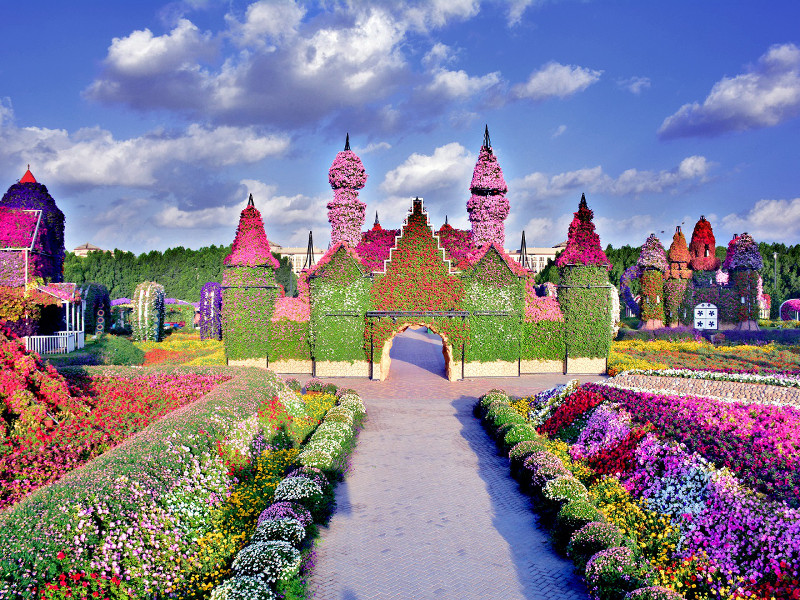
{"points": [[583, 244], [488, 207], [271, 561], [458, 243], [347, 171], [652, 255], [743, 253], [211, 311], [250, 246], [243, 588], [282, 530], [287, 510], [615, 571], [703, 247], [374, 247]]}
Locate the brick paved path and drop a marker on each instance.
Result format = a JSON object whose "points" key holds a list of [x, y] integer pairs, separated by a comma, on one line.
{"points": [[428, 509]]}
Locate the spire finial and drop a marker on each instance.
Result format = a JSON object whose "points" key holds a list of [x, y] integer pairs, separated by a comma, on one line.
{"points": [[377, 223], [487, 143], [309, 253], [445, 219], [523, 252], [347, 142], [583, 200], [250, 200]]}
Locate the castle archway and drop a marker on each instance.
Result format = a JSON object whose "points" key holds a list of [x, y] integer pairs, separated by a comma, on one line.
{"points": [[382, 357]]}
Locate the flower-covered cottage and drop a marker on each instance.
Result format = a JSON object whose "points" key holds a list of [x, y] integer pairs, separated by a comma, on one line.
{"points": [[370, 286], [35, 303]]}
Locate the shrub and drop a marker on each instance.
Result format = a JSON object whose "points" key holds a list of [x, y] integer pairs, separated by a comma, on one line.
{"points": [[314, 474], [281, 530], [299, 489], [243, 588], [591, 539], [355, 405], [517, 434], [572, 516], [523, 450], [653, 592], [314, 385], [564, 489], [507, 416], [287, 510], [318, 458], [113, 350], [271, 561], [340, 414], [329, 388], [612, 573], [542, 466], [293, 384]]}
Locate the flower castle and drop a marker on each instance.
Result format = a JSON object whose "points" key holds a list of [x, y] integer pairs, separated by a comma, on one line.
{"points": [[371, 285]]}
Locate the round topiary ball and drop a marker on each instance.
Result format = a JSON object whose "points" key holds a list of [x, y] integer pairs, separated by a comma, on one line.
{"points": [[591, 539], [281, 530], [287, 510], [243, 588], [653, 592], [611, 573], [271, 561], [572, 516]]}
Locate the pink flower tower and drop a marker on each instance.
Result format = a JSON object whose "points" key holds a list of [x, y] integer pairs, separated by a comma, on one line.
{"points": [[488, 205], [346, 211]]}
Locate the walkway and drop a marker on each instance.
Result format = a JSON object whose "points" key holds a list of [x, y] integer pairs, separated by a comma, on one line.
{"points": [[428, 509]]}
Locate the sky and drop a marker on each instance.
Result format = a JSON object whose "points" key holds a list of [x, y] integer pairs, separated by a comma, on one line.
{"points": [[151, 122]]}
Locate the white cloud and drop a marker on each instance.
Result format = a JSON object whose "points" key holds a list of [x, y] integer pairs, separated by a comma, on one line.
{"points": [[634, 85], [559, 131], [766, 95], [449, 164], [372, 147], [632, 182], [773, 220], [93, 157], [266, 20], [555, 80], [438, 55], [457, 84], [632, 230], [216, 216], [142, 53], [430, 14]]}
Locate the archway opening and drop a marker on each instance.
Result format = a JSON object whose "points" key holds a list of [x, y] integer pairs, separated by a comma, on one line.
{"points": [[417, 348]]}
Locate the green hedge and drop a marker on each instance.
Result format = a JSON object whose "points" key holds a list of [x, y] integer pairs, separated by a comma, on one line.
{"points": [[339, 287], [543, 340], [248, 299], [586, 310], [289, 340]]}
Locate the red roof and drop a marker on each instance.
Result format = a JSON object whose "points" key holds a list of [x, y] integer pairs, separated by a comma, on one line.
{"points": [[28, 177]]}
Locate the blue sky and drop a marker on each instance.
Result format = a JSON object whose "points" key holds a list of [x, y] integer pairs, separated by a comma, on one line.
{"points": [[150, 122]]}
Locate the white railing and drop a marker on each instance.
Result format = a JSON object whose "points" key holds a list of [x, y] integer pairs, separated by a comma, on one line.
{"points": [[60, 343]]}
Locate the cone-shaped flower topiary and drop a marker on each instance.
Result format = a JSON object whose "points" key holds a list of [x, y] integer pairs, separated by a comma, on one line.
{"points": [[653, 262], [251, 246], [488, 207], [346, 211], [703, 247], [743, 253], [679, 257], [583, 244], [47, 260]]}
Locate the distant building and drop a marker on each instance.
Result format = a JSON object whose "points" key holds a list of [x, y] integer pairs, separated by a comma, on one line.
{"points": [[84, 249], [296, 255], [537, 257]]}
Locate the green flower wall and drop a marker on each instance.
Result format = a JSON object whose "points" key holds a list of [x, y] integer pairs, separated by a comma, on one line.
{"points": [[543, 340], [289, 340], [586, 304], [248, 299]]}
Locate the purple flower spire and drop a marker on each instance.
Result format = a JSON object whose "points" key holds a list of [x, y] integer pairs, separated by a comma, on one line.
{"points": [[488, 206], [346, 211]]}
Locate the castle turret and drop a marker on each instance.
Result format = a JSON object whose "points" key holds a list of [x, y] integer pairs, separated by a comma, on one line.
{"points": [[488, 206], [346, 211]]}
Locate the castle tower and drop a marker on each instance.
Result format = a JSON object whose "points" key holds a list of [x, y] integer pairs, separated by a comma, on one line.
{"points": [[488, 207], [346, 211]]}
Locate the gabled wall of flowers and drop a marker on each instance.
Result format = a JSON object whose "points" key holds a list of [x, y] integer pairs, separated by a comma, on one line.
{"points": [[290, 325]]}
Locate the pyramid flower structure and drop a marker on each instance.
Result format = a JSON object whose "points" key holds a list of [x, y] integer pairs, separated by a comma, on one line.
{"points": [[250, 246], [583, 243], [679, 257], [703, 247], [488, 206], [652, 255], [743, 253], [346, 211]]}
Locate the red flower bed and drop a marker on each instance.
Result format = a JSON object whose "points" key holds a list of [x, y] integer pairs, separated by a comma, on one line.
{"points": [[618, 458], [54, 426], [575, 405]]}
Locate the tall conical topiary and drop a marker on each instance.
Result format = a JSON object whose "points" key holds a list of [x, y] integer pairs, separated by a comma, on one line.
{"points": [[248, 291], [652, 263], [677, 277], [583, 244], [702, 248], [488, 206], [584, 295], [346, 211]]}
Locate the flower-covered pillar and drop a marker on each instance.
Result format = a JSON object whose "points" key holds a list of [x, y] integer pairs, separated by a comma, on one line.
{"points": [[211, 311], [488, 205], [677, 277], [584, 295], [248, 292], [743, 263], [652, 264], [346, 211]]}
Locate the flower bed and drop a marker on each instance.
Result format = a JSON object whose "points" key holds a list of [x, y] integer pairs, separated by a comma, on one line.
{"points": [[166, 511], [668, 518]]}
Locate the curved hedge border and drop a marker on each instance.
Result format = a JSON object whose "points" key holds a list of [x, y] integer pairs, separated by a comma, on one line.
{"points": [[273, 562], [600, 550]]}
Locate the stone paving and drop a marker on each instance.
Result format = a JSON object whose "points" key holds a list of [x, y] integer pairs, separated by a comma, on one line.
{"points": [[428, 509]]}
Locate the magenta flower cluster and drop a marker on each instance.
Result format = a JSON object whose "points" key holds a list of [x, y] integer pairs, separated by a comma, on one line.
{"points": [[250, 246], [375, 246], [488, 207], [652, 255], [16, 227], [346, 211], [743, 253], [583, 244], [347, 171], [540, 308], [606, 426]]}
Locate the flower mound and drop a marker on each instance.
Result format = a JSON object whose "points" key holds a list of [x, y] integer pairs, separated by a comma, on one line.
{"points": [[652, 255], [613, 572], [243, 588], [583, 244], [271, 561], [287, 510]]}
